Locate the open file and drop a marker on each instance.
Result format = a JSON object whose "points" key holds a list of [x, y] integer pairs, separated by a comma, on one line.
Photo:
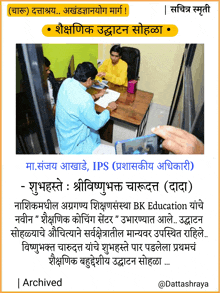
{"points": [[109, 96]]}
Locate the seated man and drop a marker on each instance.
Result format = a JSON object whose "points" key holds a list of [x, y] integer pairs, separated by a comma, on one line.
{"points": [[114, 69], [53, 85], [76, 120]]}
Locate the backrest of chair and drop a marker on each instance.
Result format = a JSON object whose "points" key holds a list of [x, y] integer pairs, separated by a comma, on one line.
{"points": [[132, 57], [71, 68]]}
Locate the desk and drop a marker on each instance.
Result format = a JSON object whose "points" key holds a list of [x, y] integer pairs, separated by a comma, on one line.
{"points": [[130, 118]]}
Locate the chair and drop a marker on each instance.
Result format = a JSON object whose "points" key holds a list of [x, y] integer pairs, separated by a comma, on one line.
{"points": [[132, 57], [71, 68]]}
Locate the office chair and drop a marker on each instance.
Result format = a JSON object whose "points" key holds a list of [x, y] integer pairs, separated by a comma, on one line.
{"points": [[71, 68], [132, 57]]}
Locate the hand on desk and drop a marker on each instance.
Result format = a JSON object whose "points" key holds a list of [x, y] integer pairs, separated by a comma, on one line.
{"points": [[101, 74], [100, 93], [179, 141], [112, 106]]}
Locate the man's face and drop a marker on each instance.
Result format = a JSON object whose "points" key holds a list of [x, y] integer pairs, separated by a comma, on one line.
{"points": [[89, 82], [115, 57], [47, 69]]}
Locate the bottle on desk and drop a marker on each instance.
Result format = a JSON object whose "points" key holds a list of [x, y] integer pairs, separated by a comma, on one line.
{"points": [[132, 86]]}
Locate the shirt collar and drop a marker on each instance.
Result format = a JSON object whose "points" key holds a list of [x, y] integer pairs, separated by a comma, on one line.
{"points": [[82, 86]]}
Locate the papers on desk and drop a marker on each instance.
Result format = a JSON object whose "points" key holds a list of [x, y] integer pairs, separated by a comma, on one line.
{"points": [[109, 96]]}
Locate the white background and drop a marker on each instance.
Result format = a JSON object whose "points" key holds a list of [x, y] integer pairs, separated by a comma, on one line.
{"points": [[201, 266]]}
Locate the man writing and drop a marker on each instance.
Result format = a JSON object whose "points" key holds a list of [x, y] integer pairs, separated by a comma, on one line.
{"points": [[77, 122], [114, 69]]}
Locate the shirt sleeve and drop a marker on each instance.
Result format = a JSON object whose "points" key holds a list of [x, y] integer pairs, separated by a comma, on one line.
{"points": [[121, 79], [90, 118], [102, 68]]}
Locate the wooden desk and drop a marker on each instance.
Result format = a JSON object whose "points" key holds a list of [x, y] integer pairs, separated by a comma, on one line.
{"points": [[131, 114]]}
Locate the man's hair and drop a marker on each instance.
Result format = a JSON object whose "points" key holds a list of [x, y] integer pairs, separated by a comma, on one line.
{"points": [[117, 49], [46, 62], [84, 71]]}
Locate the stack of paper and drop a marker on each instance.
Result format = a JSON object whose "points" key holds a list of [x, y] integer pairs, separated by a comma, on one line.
{"points": [[109, 96]]}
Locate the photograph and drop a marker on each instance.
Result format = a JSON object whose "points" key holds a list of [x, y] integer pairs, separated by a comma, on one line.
{"points": [[87, 98], [97, 81]]}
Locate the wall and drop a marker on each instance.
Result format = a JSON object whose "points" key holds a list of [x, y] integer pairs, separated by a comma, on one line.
{"points": [[103, 51], [60, 55], [159, 68]]}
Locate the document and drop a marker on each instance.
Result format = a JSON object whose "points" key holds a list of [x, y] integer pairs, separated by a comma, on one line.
{"points": [[109, 96]]}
